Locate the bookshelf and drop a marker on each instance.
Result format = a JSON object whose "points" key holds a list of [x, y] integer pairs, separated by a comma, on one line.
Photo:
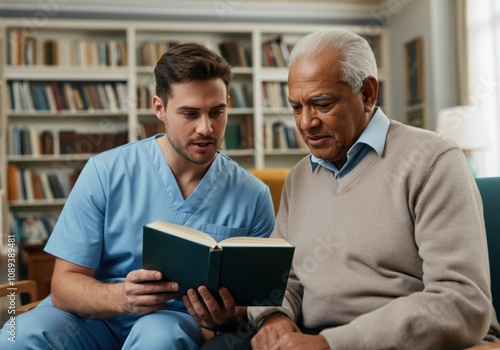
{"points": [[84, 86]]}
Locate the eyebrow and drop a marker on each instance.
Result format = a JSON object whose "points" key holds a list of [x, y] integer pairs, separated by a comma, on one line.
{"points": [[191, 108], [319, 97]]}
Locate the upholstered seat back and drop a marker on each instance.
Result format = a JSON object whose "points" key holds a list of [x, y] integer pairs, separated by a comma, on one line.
{"points": [[489, 187], [275, 179]]}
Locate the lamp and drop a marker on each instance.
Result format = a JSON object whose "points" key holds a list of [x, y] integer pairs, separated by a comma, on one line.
{"points": [[465, 126]]}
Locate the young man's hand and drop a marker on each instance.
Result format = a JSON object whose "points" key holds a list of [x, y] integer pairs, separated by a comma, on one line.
{"points": [[145, 293]]}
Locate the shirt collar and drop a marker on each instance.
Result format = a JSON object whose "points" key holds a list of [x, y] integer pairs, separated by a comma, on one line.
{"points": [[374, 136]]}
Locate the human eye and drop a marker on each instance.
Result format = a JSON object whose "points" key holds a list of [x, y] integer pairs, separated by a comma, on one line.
{"points": [[296, 107], [216, 113], [323, 106], [190, 114]]}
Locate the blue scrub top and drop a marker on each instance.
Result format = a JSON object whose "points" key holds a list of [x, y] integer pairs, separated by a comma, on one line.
{"points": [[119, 191]]}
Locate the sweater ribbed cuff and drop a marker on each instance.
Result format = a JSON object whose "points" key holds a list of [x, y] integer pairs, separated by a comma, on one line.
{"points": [[344, 338]]}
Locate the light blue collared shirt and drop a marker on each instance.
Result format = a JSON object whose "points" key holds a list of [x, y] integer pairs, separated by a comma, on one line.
{"points": [[373, 137]]}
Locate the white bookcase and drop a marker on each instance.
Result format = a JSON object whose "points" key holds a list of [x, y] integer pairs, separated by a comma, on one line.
{"points": [[100, 56]]}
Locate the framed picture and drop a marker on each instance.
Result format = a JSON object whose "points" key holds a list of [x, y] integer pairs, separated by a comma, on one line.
{"points": [[416, 117], [414, 71]]}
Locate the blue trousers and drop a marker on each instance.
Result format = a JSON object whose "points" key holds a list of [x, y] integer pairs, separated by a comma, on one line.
{"points": [[47, 327]]}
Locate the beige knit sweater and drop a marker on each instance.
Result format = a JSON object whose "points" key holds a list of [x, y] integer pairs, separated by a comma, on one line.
{"points": [[394, 255]]}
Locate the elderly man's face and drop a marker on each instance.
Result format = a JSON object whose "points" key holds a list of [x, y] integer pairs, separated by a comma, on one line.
{"points": [[329, 116]]}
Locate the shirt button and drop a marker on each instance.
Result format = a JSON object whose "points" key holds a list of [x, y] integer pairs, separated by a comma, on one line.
{"points": [[340, 176]]}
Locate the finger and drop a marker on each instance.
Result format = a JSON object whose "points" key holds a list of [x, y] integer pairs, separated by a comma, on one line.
{"points": [[146, 288], [191, 309], [198, 307], [141, 304], [142, 275], [227, 299], [258, 342], [211, 304]]}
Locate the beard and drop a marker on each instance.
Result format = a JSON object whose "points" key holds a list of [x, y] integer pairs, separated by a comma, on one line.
{"points": [[194, 156]]}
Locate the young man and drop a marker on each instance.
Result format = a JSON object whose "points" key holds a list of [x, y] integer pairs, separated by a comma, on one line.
{"points": [[101, 298], [386, 220]]}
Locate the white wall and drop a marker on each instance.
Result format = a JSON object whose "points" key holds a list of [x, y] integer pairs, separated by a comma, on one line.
{"points": [[434, 21]]}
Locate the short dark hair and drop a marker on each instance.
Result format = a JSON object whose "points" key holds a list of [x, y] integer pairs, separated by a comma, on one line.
{"points": [[186, 62]]}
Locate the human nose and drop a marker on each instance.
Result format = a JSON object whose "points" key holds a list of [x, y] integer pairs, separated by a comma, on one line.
{"points": [[307, 119], [204, 126]]}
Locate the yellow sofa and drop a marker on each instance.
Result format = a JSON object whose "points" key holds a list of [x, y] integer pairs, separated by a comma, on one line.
{"points": [[275, 179]]}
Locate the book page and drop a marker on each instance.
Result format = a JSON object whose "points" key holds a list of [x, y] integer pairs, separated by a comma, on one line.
{"points": [[253, 242], [185, 232]]}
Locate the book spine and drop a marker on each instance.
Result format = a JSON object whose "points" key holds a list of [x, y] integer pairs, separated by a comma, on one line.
{"points": [[213, 272]]}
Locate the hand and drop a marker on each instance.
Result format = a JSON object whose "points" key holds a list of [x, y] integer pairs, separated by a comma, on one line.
{"points": [[298, 341], [272, 330], [209, 314], [145, 293]]}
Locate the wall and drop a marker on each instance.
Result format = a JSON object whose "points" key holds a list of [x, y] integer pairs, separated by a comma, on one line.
{"points": [[258, 11], [434, 20]]}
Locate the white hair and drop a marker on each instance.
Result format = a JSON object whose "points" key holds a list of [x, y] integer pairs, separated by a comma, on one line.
{"points": [[357, 61]]}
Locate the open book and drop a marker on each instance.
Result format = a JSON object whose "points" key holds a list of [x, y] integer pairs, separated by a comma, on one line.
{"points": [[254, 269]]}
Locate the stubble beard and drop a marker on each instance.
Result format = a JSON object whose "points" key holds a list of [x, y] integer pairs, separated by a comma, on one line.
{"points": [[183, 152]]}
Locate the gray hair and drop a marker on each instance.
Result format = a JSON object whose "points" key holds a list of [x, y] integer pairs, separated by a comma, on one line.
{"points": [[357, 61]]}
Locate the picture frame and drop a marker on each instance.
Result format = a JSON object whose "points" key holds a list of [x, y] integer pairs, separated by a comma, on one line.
{"points": [[414, 71], [416, 117]]}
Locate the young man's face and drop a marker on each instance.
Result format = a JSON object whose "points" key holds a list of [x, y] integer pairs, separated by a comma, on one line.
{"points": [[195, 119]]}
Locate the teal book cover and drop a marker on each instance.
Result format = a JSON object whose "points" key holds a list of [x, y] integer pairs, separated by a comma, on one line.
{"points": [[254, 269]]}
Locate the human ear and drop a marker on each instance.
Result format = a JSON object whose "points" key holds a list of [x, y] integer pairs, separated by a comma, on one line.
{"points": [[158, 108], [369, 92]]}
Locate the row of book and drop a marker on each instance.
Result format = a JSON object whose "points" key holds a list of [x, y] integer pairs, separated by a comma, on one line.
{"points": [[235, 54], [30, 228], [28, 96], [26, 49], [240, 95], [239, 92], [26, 184], [276, 52], [275, 94], [144, 96], [149, 52], [279, 135], [30, 140], [239, 134], [73, 142], [150, 128]]}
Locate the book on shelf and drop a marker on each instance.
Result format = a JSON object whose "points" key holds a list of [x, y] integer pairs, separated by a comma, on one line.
{"points": [[150, 128], [149, 52], [144, 97], [282, 135], [26, 49], [13, 182], [276, 51], [65, 96], [235, 54], [56, 186], [239, 95], [233, 137], [72, 142], [28, 184], [247, 132], [275, 94], [255, 270]]}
